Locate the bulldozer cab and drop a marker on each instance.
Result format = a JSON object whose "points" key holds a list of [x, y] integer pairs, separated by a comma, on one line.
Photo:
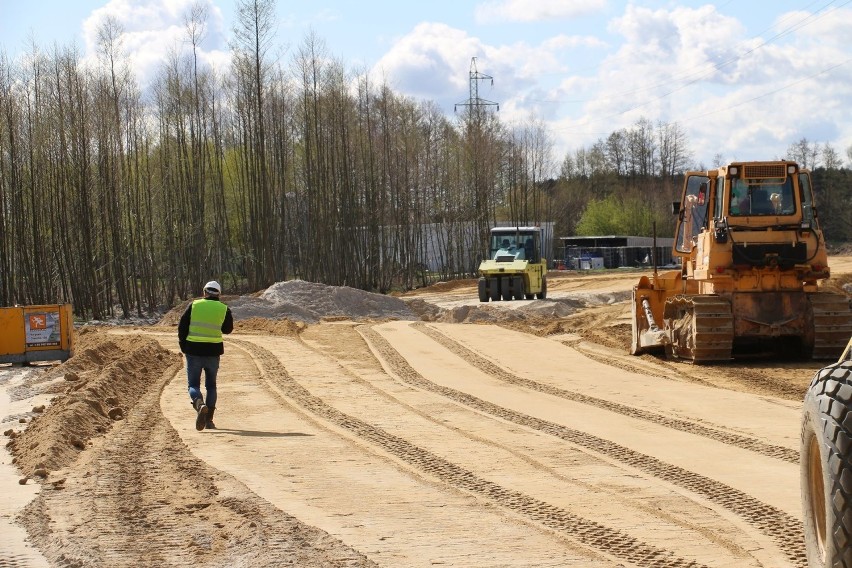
{"points": [[753, 196]]}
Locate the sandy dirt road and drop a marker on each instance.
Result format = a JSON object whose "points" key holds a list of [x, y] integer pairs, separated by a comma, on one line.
{"points": [[533, 442]]}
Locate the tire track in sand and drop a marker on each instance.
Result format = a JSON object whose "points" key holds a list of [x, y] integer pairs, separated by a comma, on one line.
{"points": [[485, 365], [783, 529], [590, 533], [141, 498]]}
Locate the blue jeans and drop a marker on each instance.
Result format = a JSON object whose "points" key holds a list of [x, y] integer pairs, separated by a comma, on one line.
{"points": [[210, 365]]}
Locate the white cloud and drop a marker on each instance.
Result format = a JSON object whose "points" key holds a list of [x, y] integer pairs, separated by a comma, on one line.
{"points": [[152, 29], [433, 61], [744, 97], [563, 42], [535, 10], [430, 62], [737, 95], [832, 25]]}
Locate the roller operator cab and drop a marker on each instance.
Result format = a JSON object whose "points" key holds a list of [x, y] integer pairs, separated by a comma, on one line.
{"points": [[514, 269], [752, 259]]}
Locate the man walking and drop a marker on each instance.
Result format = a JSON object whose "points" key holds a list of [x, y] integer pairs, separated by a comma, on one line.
{"points": [[200, 336]]}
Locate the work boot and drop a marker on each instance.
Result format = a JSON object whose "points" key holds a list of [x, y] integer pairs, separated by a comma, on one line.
{"points": [[210, 425], [201, 417]]}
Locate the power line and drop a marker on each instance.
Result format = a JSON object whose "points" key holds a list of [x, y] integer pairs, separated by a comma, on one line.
{"points": [[739, 104], [695, 74], [772, 92], [802, 23]]}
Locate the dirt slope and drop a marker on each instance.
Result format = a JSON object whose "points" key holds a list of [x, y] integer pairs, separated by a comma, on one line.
{"points": [[524, 437]]}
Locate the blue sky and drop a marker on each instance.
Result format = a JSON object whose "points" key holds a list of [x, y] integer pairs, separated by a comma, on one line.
{"points": [[743, 79]]}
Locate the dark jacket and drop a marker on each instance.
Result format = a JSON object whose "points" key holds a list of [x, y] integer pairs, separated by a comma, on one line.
{"points": [[197, 348]]}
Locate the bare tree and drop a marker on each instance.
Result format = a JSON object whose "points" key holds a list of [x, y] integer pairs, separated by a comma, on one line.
{"points": [[643, 150], [830, 157], [247, 177], [673, 149], [253, 35], [616, 152], [804, 153]]}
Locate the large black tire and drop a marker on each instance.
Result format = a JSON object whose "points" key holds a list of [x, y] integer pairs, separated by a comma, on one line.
{"points": [[505, 289], [826, 467], [494, 289], [518, 285], [483, 290], [543, 294]]}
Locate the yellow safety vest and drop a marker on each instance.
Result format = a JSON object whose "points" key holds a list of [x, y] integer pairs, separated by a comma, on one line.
{"points": [[205, 321]]}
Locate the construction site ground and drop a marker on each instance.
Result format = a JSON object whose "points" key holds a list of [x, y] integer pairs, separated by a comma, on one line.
{"points": [[351, 432]]}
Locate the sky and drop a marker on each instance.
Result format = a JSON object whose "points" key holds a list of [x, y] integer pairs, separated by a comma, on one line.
{"points": [[743, 79]]}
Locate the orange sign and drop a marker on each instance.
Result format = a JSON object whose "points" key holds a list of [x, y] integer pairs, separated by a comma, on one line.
{"points": [[38, 321]]}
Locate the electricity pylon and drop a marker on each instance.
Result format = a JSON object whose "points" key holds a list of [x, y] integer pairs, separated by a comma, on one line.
{"points": [[474, 102]]}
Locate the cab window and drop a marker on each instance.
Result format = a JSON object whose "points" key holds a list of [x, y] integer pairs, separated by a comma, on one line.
{"points": [[762, 197], [807, 197], [693, 213], [720, 198]]}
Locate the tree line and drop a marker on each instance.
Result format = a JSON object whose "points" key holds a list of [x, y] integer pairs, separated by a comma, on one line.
{"points": [[624, 183], [124, 202]]}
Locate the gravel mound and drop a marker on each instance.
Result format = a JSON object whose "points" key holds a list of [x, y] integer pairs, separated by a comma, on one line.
{"points": [[310, 302]]}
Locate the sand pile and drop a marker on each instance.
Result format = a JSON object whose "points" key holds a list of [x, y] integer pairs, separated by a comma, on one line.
{"points": [[305, 302], [309, 302], [97, 386], [265, 326], [301, 302]]}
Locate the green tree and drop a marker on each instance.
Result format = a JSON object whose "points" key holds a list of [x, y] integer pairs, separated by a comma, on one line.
{"points": [[616, 215]]}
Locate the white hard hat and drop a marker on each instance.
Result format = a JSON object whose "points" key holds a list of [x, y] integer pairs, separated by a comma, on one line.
{"points": [[213, 288]]}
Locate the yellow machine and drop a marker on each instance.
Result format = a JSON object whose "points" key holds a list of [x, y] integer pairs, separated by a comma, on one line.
{"points": [[36, 333], [514, 268], [752, 255]]}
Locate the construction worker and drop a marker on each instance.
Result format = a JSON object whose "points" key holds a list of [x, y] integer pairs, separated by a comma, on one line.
{"points": [[200, 336]]}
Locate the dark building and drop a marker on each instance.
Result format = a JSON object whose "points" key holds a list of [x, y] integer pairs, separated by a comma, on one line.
{"points": [[613, 251]]}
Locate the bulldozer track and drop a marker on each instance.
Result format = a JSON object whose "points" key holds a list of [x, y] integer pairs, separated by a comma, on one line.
{"points": [[832, 324], [595, 536], [480, 362], [711, 330], [711, 327], [783, 529]]}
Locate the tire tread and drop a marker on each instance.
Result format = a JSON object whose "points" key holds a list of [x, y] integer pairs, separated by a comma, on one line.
{"points": [[829, 396]]}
